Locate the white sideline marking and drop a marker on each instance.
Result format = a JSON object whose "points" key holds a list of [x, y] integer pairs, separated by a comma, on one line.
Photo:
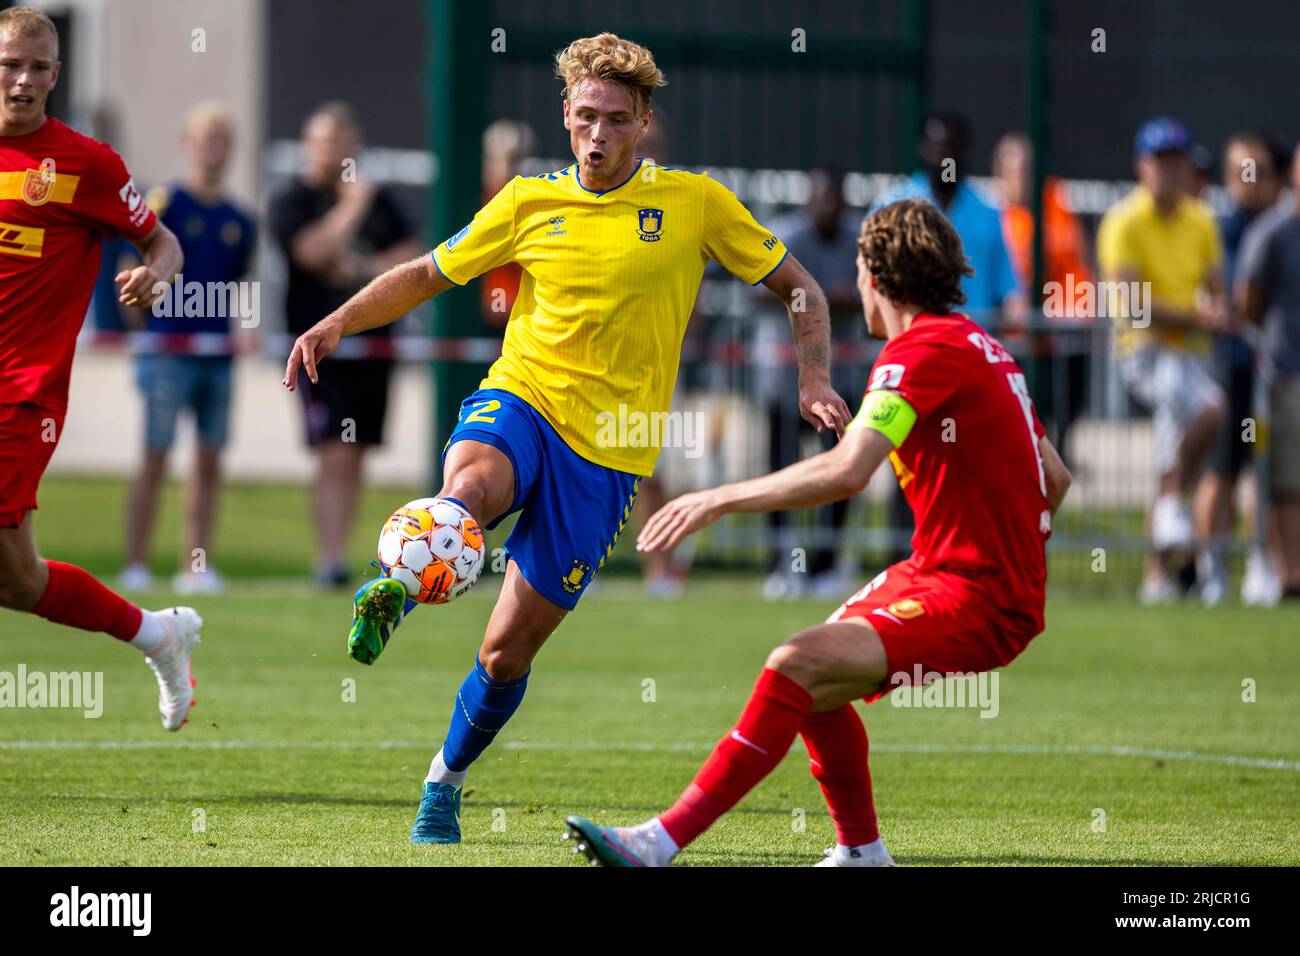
{"points": [[1068, 750]]}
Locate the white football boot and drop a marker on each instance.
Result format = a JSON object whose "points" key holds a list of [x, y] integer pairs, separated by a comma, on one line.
{"points": [[1171, 524], [171, 664], [870, 854]]}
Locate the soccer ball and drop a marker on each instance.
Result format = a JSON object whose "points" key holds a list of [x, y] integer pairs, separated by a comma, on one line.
{"points": [[434, 547]]}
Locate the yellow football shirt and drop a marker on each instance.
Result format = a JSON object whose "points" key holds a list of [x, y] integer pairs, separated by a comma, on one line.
{"points": [[1176, 254], [609, 280]]}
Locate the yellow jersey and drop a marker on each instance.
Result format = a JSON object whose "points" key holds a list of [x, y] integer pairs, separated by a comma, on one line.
{"points": [[1176, 254], [609, 281]]}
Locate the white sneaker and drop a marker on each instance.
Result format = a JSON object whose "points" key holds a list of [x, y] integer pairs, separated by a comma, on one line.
{"points": [[171, 664], [784, 586], [1171, 524], [1260, 587], [664, 587], [830, 584], [1157, 591], [870, 854], [1211, 579], [135, 577], [199, 582]]}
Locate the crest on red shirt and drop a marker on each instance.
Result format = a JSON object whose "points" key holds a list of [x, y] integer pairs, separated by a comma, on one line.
{"points": [[38, 186], [907, 609]]}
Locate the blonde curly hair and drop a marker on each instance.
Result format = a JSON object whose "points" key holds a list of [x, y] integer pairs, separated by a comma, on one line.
{"points": [[610, 57]]}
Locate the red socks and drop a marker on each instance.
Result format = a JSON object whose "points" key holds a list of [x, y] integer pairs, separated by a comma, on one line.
{"points": [[73, 597], [837, 749], [767, 727]]}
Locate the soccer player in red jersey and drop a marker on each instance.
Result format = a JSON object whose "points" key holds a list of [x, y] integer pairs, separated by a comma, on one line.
{"points": [[60, 194], [948, 407]]}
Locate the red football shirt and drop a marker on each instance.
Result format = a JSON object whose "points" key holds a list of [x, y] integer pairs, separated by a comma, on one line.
{"points": [[970, 466], [60, 194]]}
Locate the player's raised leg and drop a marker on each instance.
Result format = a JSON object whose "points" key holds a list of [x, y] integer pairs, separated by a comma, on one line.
{"points": [[488, 697], [814, 673], [67, 595], [478, 477]]}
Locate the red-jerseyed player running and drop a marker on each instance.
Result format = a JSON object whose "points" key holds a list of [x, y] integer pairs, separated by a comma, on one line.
{"points": [[60, 193], [948, 406]]}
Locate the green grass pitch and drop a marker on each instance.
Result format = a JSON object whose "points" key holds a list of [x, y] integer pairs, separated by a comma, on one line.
{"points": [[1122, 735]]}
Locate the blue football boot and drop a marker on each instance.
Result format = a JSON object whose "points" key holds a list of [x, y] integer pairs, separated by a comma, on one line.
{"points": [[438, 819]]}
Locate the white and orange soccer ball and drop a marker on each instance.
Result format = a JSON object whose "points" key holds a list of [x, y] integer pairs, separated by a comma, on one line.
{"points": [[434, 547]]}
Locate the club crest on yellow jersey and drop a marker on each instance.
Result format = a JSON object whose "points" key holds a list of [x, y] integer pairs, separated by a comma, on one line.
{"points": [[650, 223]]}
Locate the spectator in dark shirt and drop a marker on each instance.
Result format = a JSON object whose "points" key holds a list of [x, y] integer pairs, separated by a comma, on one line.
{"points": [[338, 232], [1269, 285], [1252, 176], [823, 236]]}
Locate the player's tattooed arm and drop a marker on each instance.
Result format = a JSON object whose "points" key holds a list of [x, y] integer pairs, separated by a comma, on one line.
{"points": [[839, 473], [810, 321], [383, 301], [142, 285]]}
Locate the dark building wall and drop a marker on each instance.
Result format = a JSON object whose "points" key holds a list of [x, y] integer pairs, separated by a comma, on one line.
{"points": [[373, 54], [1217, 64]]}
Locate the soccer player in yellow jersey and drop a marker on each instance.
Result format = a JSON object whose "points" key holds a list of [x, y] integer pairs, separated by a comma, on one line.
{"points": [[612, 249]]}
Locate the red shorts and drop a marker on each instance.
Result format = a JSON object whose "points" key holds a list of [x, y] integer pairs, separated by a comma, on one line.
{"points": [[28, 436], [936, 622]]}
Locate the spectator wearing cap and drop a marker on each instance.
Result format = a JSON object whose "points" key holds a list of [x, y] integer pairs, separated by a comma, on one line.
{"points": [[1164, 246], [1269, 286]]}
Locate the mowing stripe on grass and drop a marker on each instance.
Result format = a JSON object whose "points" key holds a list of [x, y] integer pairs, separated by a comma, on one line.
{"points": [[1067, 750]]}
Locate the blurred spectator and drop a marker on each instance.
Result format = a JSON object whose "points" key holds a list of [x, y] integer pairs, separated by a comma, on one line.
{"points": [[1058, 369], [1200, 171], [1269, 279], [823, 237], [1159, 239], [992, 293], [338, 232], [506, 144], [664, 572], [218, 240], [942, 180], [1252, 177]]}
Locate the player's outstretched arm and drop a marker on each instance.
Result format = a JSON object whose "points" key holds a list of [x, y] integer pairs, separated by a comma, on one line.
{"points": [[384, 300], [810, 321], [839, 473]]}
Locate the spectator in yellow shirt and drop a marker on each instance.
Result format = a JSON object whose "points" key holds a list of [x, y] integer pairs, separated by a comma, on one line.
{"points": [[1164, 248]]}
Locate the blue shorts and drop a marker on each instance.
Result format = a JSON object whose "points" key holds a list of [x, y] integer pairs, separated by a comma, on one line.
{"points": [[171, 383], [571, 510]]}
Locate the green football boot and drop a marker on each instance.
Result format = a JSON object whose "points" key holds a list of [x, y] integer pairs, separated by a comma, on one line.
{"points": [[376, 611]]}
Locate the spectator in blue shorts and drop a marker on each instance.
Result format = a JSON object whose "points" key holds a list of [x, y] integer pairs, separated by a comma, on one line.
{"points": [[218, 241]]}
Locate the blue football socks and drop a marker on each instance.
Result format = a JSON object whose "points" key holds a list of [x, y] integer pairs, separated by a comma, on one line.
{"points": [[482, 708]]}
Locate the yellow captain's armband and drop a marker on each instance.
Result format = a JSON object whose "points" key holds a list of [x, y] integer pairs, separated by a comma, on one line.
{"points": [[888, 413]]}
